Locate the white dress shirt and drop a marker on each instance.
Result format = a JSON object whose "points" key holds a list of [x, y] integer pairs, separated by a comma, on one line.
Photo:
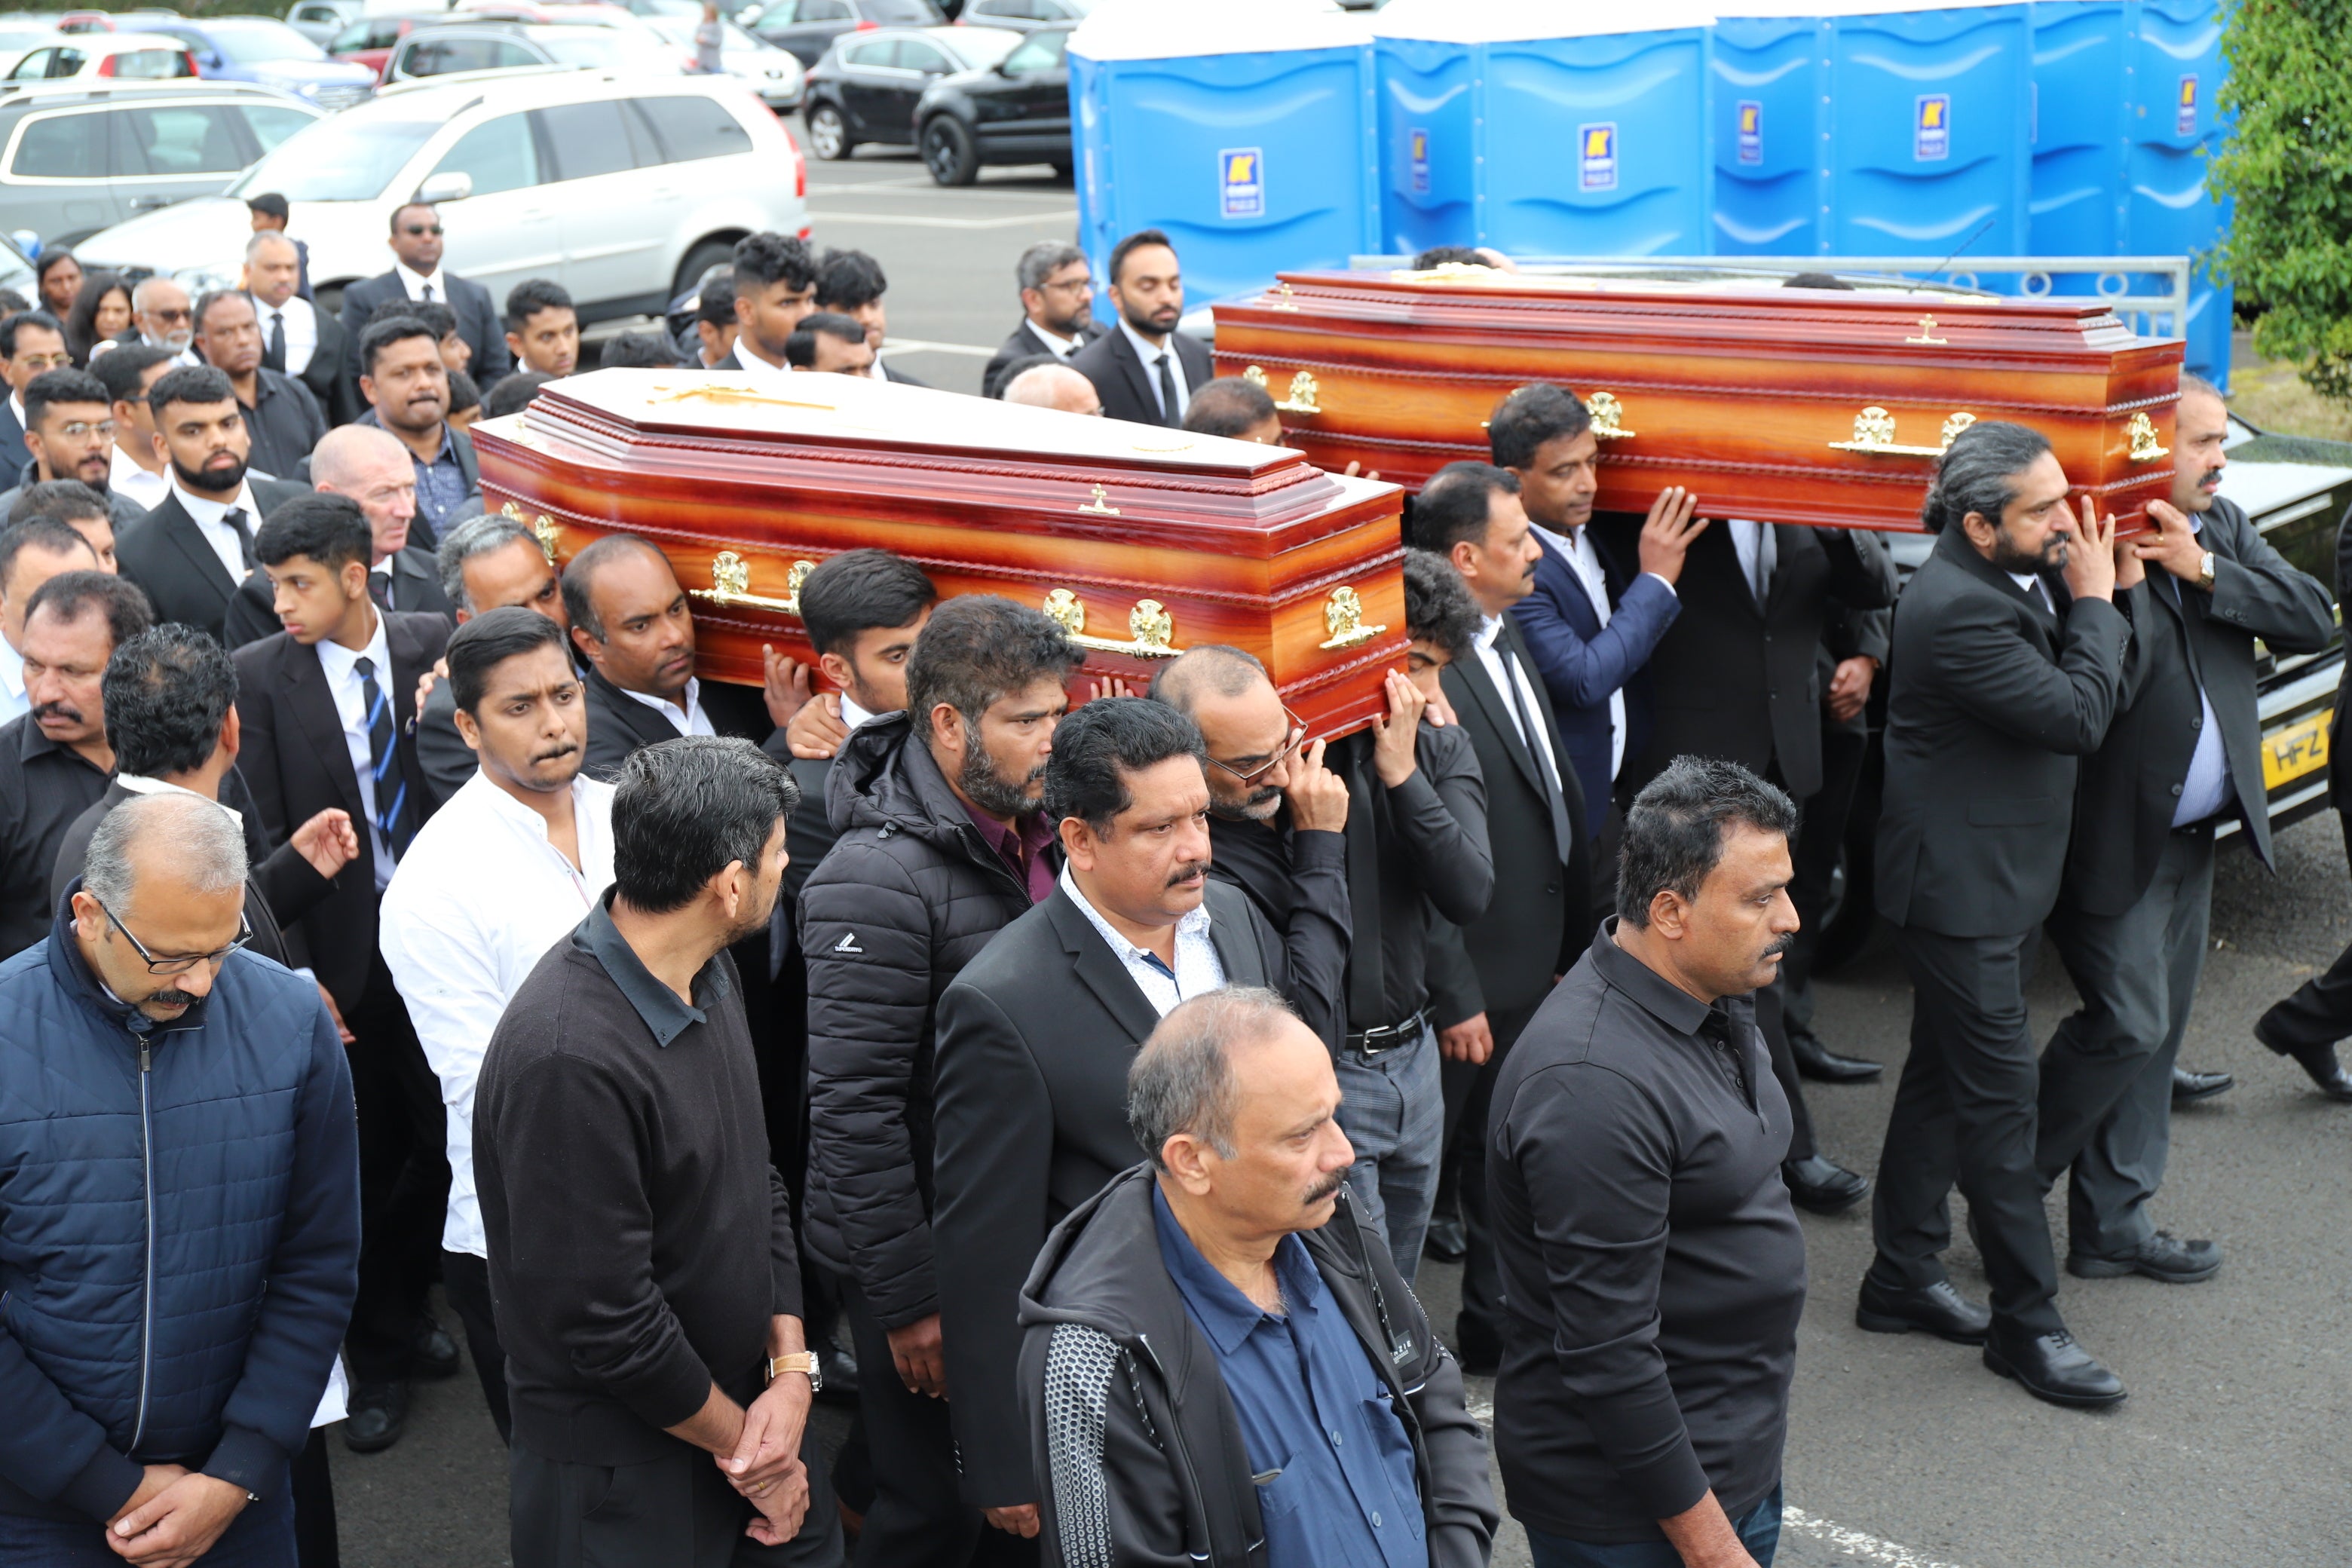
{"points": [[1490, 627], [687, 721], [1150, 358], [13, 701], [126, 477], [211, 521], [139, 783], [301, 330], [1753, 541], [415, 283], [852, 715], [458, 956], [753, 365], [1062, 348], [2033, 587], [1584, 562], [351, 706], [1198, 968]]}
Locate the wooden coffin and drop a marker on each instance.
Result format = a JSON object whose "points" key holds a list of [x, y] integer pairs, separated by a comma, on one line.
{"points": [[1789, 406], [1143, 541]]}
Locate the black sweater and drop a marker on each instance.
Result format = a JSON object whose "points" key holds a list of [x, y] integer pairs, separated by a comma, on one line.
{"points": [[623, 1164]]}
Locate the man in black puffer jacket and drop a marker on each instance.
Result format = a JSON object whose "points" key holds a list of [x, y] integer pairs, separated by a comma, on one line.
{"points": [[942, 845]]}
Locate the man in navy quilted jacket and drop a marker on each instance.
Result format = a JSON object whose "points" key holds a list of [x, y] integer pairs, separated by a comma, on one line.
{"points": [[179, 1211]]}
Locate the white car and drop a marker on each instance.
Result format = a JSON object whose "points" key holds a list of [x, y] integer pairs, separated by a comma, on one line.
{"points": [[121, 56], [775, 74], [622, 188]]}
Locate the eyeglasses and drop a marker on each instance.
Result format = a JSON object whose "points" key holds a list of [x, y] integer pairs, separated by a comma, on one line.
{"points": [[44, 362], [160, 314], [176, 966], [420, 228], [1080, 285], [1297, 738], [77, 429]]}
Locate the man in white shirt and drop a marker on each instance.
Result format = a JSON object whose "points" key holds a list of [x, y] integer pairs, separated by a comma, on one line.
{"points": [[534, 830], [161, 310], [1057, 308], [30, 555], [418, 277], [297, 338], [1145, 369]]}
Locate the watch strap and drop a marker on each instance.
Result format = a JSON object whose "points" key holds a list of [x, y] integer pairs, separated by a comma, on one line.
{"points": [[803, 1362]]}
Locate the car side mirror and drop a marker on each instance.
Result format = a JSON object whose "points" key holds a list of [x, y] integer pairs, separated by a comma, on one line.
{"points": [[449, 186]]}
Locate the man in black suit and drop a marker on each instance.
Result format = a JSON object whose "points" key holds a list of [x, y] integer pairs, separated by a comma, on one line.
{"points": [[1056, 311], [138, 472], [191, 553], [1036, 1036], [775, 287], [1143, 368], [373, 469], [416, 275], [2009, 658], [2182, 755], [68, 431], [282, 420], [1487, 979], [298, 339], [851, 283], [325, 710], [31, 341]]}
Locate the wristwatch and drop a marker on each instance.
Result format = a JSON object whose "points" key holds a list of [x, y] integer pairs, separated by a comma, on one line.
{"points": [[2205, 572], [799, 1361]]}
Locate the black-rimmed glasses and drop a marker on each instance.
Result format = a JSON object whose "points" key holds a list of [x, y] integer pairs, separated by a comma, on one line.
{"points": [[162, 966], [1297, 738]]}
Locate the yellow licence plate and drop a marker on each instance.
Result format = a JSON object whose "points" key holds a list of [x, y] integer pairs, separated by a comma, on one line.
{"points": [[2300, 748]]}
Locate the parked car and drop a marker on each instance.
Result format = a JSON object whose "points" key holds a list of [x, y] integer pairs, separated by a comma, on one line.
{"points": [[773, 73], [321, 20], [450, 49], [622, 189], [110, 21], [19, 35], [105, 57], [370, 41], [1023, 16], [265, 51], [808, 28], [1014, 111], [867, 85], [76, 157]]}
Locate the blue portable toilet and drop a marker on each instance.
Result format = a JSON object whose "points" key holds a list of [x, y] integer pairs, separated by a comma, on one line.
{"points": [[1477, 99], [2171, 129], [1770, 71], [2081, 110], [1243, 128]]}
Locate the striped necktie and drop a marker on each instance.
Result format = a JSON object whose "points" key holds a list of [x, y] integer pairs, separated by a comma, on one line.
{"points": [[391, 789]]}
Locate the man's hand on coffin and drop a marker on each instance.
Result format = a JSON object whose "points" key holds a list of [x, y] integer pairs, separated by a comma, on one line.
{"points": [[789, 683], [1318, 797], [1395, 732], [2090, 569], [1667, 533], [1095, 685], [816, 731], [2173, 546], [440, 671], [1353, 466], [921, 1358], [1019, 1519], [1472, 1040], [1850, 687]]}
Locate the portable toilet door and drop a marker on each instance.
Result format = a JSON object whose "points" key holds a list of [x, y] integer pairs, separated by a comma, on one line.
{"points": [[2171, 129], [1427, 123], [2079, 123], [1768, 73], [1242, 128]]}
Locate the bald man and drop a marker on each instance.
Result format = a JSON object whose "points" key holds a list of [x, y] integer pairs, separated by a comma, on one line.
{"points": [[371, 467], [1054, 387]]}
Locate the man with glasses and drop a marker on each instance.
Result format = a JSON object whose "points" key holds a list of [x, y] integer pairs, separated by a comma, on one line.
{"points": [[1056, 311], [31, 341], [70, 433], [158, 1395], [417, 276]]}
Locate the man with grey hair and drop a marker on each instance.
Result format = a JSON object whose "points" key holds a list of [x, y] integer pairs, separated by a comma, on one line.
{"points": [[484, 564], [158, 1395], [1054, 387], [1652, 1268], [163, 317], [1318, 1414], [371, 467], [1056, 311]]}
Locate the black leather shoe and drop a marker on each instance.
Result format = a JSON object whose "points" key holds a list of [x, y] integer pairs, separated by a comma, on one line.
{"points": [[1445, 1240], [1820, 1184], [2052, 1367], [839, 1369], [2319, 1061], [2162, 1256], [1479, 1349], [379, 1414], [436, 1352], [2189, 1086], [1817, 1061], [1937, 1309]]}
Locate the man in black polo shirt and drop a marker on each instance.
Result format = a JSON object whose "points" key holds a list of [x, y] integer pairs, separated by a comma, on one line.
{"points": [[643, 1273], [1651, 1265]]}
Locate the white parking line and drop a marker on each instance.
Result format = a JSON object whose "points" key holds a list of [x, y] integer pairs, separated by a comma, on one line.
{"points": [[910, 220]]}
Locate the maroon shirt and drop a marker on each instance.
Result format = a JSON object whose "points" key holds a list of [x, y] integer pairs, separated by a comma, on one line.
{"points": [[1022, 847]]}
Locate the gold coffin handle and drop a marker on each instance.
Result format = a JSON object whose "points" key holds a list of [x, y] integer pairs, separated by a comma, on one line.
{"points": [[1151, 629], [731, 585], [2142, 431], [1304, 393], [1607, 416], [1874, 432], [542, 527], [1343, 618]]}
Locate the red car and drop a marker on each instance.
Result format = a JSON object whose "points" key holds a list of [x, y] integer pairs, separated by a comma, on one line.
{"points": [[370, 40]]}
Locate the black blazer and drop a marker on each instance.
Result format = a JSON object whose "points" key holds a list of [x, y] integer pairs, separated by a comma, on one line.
{"points": [[1120, 381], [166, 554], [885, 371], [478, 323], [415, 585], [337, 394], [1024, 343], [1733, 681], [1990, 701], [618, 723], [1030, 1083], [13, 450], [1538, 919], [297, 764], [2182, 637]]}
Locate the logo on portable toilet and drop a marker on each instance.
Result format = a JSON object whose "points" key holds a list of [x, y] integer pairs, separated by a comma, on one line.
{"points": [[1931, 127], [1597, 156], [2188, 122], [1241, 181], [1751, 131], [1418, 142]]}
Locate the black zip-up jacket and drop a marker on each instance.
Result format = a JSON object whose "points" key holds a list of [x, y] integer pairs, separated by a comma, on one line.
{"points": [[1140, 1456], [908, 895]]}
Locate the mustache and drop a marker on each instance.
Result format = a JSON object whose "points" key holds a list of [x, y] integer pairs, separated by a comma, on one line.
{"points": [[1187, 871], [65, 710], [1780, 945], [173, 999], [2211, 477], [565, 749], [1323, 1189]]}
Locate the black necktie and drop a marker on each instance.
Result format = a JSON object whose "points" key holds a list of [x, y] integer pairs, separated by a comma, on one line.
{"points": [[274, 356], [236, 518], [391, 789], [428, 294], [380, 589], [1532, 738], [1169, 415]]}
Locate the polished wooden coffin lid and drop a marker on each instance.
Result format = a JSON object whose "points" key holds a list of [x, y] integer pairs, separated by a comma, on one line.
{"points": [[1144, 541], [1788, 405]]}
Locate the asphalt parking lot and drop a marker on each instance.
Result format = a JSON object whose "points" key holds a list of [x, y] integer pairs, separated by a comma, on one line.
{"points": [[1904, 1452]]}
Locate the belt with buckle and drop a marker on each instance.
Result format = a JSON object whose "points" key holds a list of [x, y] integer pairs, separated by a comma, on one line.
{"points": [[1389, 1037]]}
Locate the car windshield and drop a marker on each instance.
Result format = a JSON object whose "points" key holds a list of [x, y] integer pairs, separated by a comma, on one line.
{"points": [[249, 43], [979, 48], [904, 13], [341, 159], [589, 46]]}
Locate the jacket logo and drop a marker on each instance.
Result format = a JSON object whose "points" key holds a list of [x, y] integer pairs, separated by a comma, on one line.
{"points": [[848, 944], [1401, 1349]]}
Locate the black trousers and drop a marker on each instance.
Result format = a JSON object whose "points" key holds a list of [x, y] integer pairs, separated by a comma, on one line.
{"points": [[403, 1181], [1771, 1023], [466, 1279], [1815, 860], [313, 1489], [2320, 1011], [917, 1518], [676, 1511], [1482, 1271], [1965, 1112]]}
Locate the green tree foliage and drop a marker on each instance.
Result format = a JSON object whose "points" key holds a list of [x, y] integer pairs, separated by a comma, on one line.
{"points": [[2288, 163]]}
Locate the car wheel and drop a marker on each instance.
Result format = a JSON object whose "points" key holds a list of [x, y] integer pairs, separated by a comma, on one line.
{"points": [[699, 261], [829, 133], [948, 151]]}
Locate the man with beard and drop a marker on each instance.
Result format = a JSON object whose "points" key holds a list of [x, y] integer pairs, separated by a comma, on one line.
{"points": [[942, 844], [282, 417], [2000, 684], [191, 553], [373, 469], [54, 760], [70, 433], [1654, 1269], [406, 388], [775, 287], [160, 319], [1145, 370], [1057, 311], [31, 341], [1036, 1037], [535, 829]]}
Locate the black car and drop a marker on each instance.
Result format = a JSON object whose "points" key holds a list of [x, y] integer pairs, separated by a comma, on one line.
{"points": [[867, 85], [1014, 111], [808, 28]]}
